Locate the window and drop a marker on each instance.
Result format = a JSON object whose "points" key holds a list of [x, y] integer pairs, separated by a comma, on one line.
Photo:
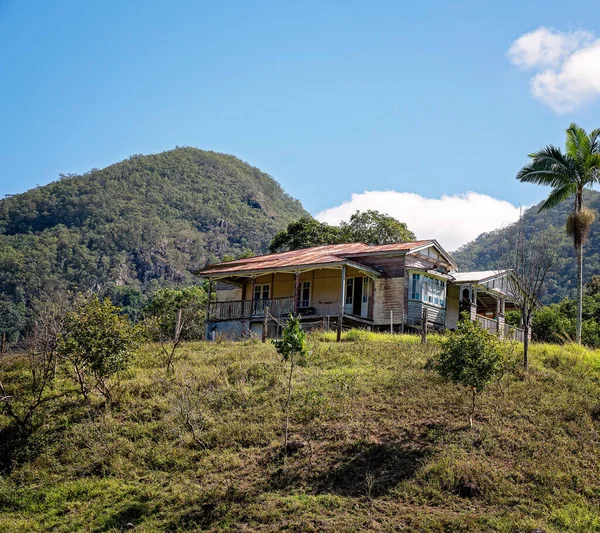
{"points": [[415, 286], [428, 289], [349, 291], [304, 294], [262, 292]]}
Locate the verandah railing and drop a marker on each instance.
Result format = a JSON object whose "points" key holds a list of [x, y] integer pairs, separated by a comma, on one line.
{"points": [[510, 332], [236, 309]]}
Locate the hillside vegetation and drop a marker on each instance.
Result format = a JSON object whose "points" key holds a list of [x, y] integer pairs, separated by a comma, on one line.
{"points": [[142, 223], [481, 254], [383, 444]]}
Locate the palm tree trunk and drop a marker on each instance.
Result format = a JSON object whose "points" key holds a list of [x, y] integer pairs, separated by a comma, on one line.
{"points": [[579, 252]]}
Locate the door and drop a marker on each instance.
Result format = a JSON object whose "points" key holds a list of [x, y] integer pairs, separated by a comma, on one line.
{"points": [[358, 296], [364, 310], [349, 303]]}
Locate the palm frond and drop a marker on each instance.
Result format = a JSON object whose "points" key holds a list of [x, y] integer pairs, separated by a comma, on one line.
{"points": [[549, 167], [558, 195], [595, 141], [592, 168], [578, 143]]}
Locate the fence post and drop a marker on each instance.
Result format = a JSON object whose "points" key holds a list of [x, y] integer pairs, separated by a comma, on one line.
{"points": [[265, 323], [177, 326], [424, 328]]}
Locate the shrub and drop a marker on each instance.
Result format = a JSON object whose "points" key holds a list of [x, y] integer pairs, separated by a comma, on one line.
{"points": [[551, 325], [471, 357], [99, 341], [513, 318]]}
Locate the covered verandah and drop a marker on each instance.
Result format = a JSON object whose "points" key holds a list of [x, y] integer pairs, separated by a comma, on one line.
{"points": [[329, 291], [486, 296]]}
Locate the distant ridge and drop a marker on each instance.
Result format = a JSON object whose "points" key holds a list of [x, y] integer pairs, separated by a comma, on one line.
{"points": [[144, 222], [481, 254]]}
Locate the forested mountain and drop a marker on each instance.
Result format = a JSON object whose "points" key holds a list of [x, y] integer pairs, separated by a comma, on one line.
{"points": [[141, 223], [481, 254]]}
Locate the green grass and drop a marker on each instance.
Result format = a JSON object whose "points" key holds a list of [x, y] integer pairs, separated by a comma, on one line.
{"points": [[384, 445]]}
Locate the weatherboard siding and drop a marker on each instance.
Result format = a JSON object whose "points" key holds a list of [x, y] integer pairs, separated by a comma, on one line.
{"points": [[435, 315], [388, 300]]}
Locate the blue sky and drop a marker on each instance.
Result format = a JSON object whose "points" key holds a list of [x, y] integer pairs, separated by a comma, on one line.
{"points": [[330, 98]]}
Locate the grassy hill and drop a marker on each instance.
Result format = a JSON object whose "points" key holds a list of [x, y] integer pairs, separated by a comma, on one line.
{"points": [[384, 445], [143, 222], [480, 254]]}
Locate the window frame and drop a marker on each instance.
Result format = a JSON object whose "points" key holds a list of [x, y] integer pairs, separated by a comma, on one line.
{"points": [[428, 289], [261, 290], [302, 285]]}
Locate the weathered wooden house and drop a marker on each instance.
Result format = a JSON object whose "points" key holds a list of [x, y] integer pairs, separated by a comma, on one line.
{"points": [[371, 286]]}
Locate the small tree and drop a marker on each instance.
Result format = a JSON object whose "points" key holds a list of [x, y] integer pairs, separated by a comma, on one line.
{"points": [[174, 315], [97, 341], [532, 261], [471, 357], [293, 350], [33, 389]]}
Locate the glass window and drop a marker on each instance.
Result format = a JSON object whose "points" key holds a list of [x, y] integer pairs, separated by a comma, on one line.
{"points": [[427, 289], [415, 287], [349, 291], [304, 294], [262, 292]]}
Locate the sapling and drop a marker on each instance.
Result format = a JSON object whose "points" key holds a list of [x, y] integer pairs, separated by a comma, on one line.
{"points": [[293, 350], [471, 357]]}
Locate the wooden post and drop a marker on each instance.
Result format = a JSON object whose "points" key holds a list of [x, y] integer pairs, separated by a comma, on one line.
{"points": [[474, 304], [208, 295], [177, 326], [265, 323], [342, 302], [403, 320], [498, 313], [296, 285], [391, 321], [251, 296], [424, 329]]}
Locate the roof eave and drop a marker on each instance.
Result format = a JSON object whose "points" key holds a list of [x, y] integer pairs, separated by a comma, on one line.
{"points": [[293, 268]]}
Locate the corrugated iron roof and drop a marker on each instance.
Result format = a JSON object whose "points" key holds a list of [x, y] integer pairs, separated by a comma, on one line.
{"points": [[326, 254], [474, 277]]}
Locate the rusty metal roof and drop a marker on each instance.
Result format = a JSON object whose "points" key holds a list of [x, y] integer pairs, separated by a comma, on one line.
{"points": [[326, 254]]}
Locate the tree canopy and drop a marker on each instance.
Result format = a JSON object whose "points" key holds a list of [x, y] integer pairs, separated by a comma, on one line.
{"points": [[370, 227], [373, 227]]}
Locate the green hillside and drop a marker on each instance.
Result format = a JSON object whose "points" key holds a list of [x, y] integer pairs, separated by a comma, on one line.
{"points": [[481, 254], [384, 445], [143, 222]]}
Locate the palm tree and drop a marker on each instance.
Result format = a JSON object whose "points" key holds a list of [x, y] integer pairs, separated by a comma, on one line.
{"points": [[569, 174]]}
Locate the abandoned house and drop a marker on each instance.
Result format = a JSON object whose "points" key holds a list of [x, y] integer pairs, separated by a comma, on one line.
{"points": [[395, 286]]}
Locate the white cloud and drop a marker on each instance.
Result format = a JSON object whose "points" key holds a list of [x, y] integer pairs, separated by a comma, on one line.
{"points": [[545, 47], [451, 220], [568, 65]]}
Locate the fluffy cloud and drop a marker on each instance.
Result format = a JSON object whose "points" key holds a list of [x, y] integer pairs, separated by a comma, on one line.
{"points": [[451, 220], [567, 65]]}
